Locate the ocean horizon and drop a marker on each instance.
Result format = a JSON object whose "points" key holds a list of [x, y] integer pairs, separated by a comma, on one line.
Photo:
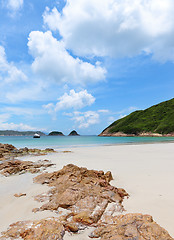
{"points": [[57, 142]]}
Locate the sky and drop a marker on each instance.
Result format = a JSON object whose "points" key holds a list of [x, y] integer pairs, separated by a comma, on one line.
{"points": [[82, 64]]}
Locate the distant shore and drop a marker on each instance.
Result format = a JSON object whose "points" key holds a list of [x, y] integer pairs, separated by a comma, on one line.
{"points": [[143, 134]]}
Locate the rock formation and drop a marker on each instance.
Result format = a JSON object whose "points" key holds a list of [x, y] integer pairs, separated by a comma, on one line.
{"points": [[16, 166], [46, 229], [8, 151], [130, 227], [73, 133], [89, 200], [123, 227], [86, 193], [55, 133]]}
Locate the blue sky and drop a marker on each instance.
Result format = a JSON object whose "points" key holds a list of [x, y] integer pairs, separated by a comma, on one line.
{"points": [[81, 64]]}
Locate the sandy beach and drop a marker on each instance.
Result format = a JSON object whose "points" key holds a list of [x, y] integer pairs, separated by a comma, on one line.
{"points": [[145, 171]]}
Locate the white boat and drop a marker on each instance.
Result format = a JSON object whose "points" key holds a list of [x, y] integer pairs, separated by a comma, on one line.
{"points": [[36, 135]]}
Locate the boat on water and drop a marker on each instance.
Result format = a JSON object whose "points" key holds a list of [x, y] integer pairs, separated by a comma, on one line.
{"points": [[36, 135]]}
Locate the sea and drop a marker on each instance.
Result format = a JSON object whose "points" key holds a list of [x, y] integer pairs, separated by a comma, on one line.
{"points": [[58, 142]]}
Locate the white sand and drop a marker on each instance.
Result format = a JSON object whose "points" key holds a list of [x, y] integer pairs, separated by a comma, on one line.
{"points": [[145, 171]]}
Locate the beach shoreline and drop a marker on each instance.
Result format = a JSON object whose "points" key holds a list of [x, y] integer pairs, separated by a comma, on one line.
{"points": [[145, 171]]}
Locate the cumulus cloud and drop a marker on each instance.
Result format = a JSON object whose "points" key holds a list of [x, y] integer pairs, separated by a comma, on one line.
{"points": [[14, 5], [8, 71], [75, 100], [86, 119], [52, 61], [116, 28]]}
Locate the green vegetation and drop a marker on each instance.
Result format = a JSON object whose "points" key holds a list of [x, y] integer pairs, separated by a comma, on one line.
{"points": [[156, 119], [73, 133], [19, 133], [55, 133]]}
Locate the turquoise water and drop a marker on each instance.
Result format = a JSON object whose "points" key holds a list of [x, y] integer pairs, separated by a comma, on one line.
{"points": [[65, 141]]}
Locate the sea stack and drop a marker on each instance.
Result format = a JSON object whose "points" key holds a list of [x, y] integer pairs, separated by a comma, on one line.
{"points": [[73, 133], [55, 133]]}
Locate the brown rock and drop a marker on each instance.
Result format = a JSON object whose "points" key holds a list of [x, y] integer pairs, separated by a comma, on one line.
{"points": [[85, 192], [8, 151], [17, 166], [46, 229], [131, 226], [20, 195], [83, 217], [72, 227], [90, 200], [109, 176]]}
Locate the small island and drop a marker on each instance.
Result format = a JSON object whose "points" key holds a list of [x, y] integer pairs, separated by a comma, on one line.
{"points": [[55, 133], [73, 133]]}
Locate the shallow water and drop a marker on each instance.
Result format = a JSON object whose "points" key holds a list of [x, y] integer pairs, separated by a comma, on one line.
{"points": [[68, 141]]}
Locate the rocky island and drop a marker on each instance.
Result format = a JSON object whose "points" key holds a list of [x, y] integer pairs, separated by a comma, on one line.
{"points": [[73, 133], [155, 121], [55, 133]]}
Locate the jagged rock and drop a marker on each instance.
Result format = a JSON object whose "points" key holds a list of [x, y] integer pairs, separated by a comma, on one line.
{"points": [[17, 166], [46, 229], [72, 227], [130, 227], [90, 200], [85, 192], [8, 151]]}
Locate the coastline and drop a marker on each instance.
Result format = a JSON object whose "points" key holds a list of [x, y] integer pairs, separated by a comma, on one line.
{"points": [[77, 141], [141, 134], [145, 171]]}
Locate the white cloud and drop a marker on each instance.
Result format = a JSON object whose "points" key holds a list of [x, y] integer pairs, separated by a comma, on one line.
{"points": [[103, 111], [33, 91], [116, 28], [53, 62], [76, 100], [4, 125], [8, 71], [19, 127], [86, 119], [14, 5]]}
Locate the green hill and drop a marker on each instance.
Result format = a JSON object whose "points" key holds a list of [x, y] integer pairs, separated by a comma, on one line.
{"points": [[156, 119]]}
